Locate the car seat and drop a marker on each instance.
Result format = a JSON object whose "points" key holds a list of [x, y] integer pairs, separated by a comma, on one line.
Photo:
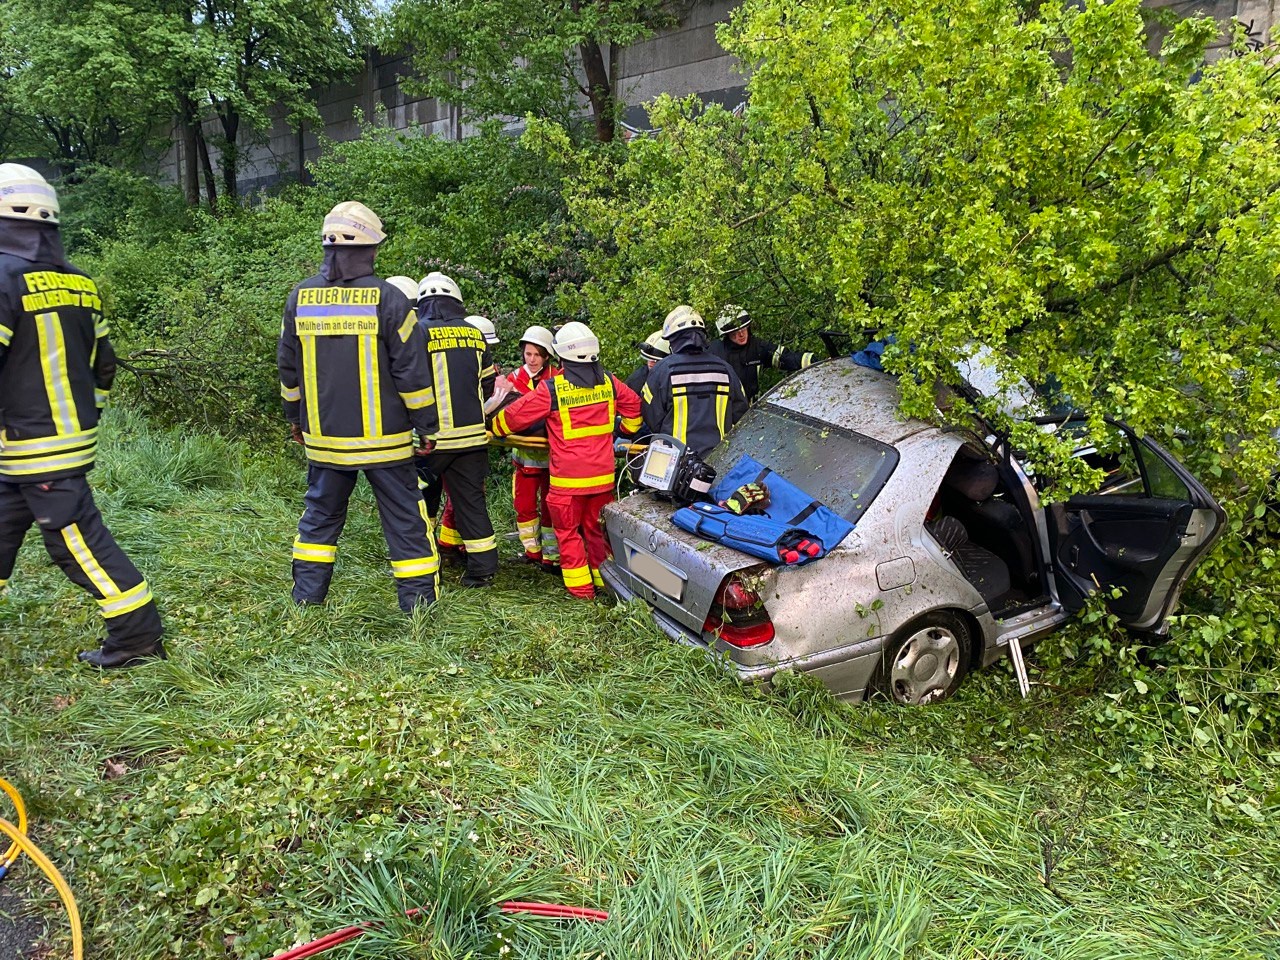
{"points": [[969, 489], [982, 568]]}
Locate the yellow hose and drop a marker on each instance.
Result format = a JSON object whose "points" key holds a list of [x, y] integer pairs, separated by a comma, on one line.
{"points": [[11, 854], [20, 844]]}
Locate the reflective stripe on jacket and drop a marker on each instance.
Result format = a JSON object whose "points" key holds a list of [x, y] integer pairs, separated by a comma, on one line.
{"points": [[580, 424], [56, 369], [694, 397], [353, 372]]}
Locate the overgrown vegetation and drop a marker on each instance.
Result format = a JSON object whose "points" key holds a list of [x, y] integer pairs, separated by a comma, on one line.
{"points": [[289, 771], [508, 58], [104, 82], [1033, 179]]}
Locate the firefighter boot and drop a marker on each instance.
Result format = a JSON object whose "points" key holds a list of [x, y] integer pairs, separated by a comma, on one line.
{"points": [[105, 659]]}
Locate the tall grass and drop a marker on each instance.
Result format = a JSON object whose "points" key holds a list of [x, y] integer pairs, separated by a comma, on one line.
{"points": [[289, 771]]}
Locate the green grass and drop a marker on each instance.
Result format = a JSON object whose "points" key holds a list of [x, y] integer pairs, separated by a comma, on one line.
{"points": [[289, 771]]}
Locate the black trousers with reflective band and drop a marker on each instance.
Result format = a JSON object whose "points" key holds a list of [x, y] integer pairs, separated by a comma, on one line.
{"points": [[80, 543], [414, 562], [463, 473]]}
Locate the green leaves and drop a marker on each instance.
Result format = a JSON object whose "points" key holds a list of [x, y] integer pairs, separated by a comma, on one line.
{"points": [[99, 82], [971, 172]]}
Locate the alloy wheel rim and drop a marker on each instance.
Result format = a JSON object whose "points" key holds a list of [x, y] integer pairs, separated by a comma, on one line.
{"points": [[925, 666]]}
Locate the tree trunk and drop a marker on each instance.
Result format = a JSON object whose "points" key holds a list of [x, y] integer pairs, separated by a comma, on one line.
{"points": [[229, 157], [599, 90], [190, 161], [210, 187]]}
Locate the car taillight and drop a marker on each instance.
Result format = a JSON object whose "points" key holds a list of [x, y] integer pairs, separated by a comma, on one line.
{"points": [[738, 617]]}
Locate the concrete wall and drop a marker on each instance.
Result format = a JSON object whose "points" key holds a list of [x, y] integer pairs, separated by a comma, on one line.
{"points": [[1258, 16], [683, 60], [686, 59], [376, 93]]}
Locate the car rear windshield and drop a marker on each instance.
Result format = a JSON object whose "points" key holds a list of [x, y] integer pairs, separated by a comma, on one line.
{"points": [[843, 469]]}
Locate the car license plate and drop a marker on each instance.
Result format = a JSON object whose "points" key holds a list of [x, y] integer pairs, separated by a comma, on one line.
{"points": [[655, 573]]}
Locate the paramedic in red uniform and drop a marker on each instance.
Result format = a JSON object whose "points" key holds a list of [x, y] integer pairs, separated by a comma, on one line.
{"points": [[579, 406]]}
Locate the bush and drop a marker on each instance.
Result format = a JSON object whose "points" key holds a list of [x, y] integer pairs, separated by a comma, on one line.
{"points": [[486, 211], [102, 204], [195, 317]]}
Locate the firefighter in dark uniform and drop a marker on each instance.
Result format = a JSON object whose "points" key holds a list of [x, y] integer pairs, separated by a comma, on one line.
{"points": [[692, 395], [56, 369], [747, 353], [355, 384], [462, 374], [653, 349]]}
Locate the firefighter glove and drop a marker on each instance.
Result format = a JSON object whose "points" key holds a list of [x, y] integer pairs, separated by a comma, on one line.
{"points": [[748, 498]]}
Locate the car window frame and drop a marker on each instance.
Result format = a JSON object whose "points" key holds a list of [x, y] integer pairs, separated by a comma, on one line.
{"points": [[1197, 494]]}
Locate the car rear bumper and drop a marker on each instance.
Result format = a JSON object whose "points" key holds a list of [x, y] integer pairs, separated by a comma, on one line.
{"points": [[846, 671], [675, 631]]}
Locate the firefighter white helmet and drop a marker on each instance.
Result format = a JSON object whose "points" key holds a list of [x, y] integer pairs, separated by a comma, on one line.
{"points": [[406, 285], [575, 341], [732, 319], [25, 195], [485, 326], [540, 337], [353, 224], [655, 346], [436, 284], [683, 317]]}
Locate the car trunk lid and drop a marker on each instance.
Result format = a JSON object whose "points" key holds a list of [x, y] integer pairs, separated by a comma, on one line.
{"points": [[674, 571]]}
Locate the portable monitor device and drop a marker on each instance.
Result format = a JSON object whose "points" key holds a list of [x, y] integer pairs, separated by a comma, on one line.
{"points": [[672, 470], [660, 463]]}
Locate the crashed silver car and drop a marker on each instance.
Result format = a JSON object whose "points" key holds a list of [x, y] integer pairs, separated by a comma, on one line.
{"points": [[953, 560]]}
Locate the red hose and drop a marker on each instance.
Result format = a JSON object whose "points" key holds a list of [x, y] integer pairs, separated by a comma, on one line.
{"points": [[558, 911]]}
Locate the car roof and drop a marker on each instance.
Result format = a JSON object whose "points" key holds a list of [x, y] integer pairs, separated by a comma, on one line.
{"points": [[848, 395]]}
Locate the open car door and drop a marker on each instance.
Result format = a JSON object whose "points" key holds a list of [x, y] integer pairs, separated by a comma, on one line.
{"points": [[1142, 532]]}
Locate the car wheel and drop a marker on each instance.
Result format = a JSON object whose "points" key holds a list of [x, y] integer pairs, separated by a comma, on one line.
{"points": [[926, 660]]}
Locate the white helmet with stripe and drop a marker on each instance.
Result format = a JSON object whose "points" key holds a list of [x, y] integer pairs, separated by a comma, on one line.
{"points": [[406, 285], [575, 342], [25, 195], [485, 326], [683, 317], [353, 224], [436, 284]]}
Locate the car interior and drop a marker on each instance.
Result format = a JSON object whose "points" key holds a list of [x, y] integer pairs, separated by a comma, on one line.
{"points": [[1125, 534], [977, 519]]}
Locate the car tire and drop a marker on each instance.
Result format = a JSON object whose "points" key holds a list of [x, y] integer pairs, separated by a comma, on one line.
{"points": [[926, 661]]}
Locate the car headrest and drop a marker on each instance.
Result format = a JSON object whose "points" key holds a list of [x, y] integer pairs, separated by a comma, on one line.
{"points": [[972, 479]]}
